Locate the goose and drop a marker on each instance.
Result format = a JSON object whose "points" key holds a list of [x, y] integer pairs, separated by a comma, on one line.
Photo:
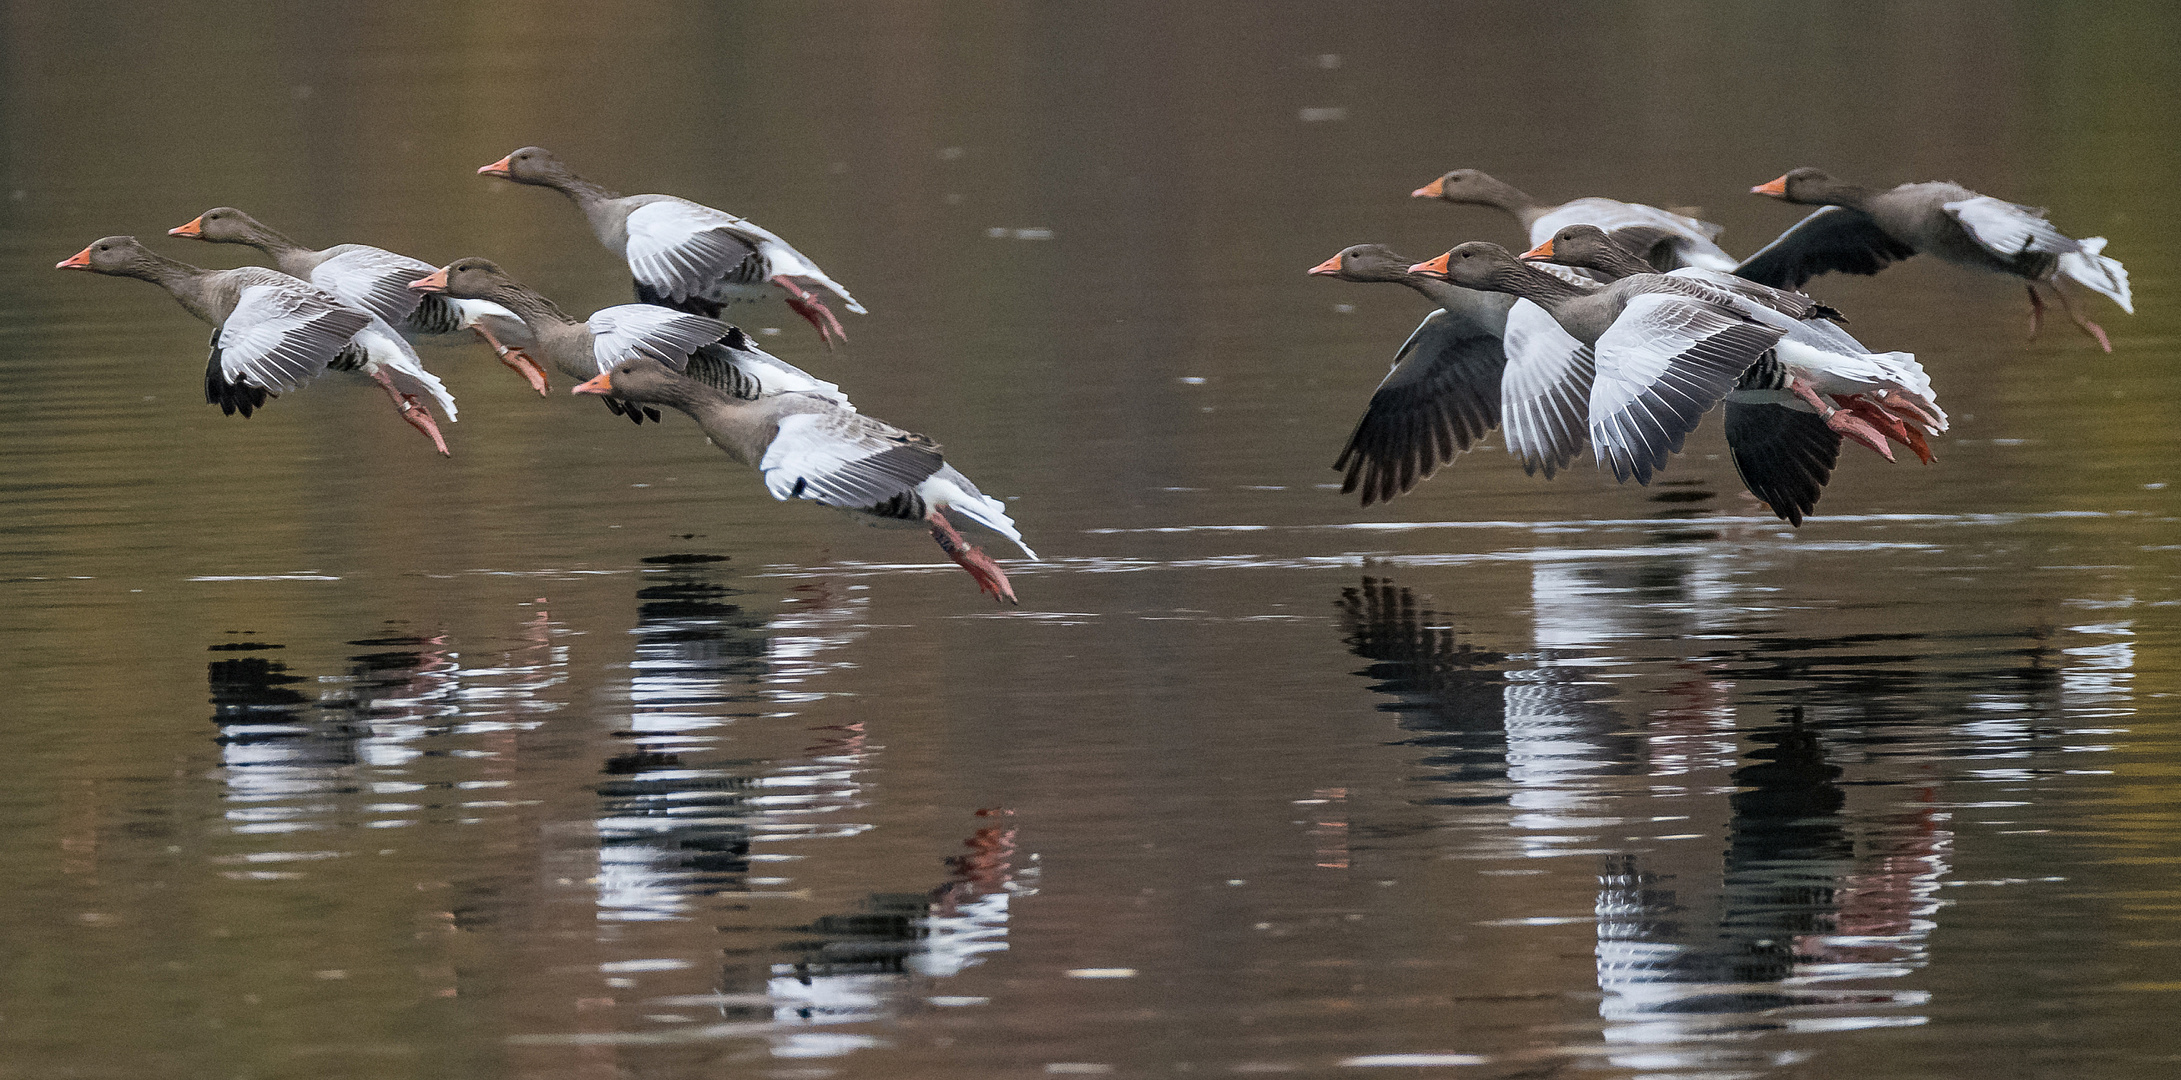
{"points": [[1442, 394], [811, 446], [375, 280], [1863, 230], [1669, 347], [1691, 240], [1784, 449], [685, 255], [274, 332], [706, 348], [1445, 392]]}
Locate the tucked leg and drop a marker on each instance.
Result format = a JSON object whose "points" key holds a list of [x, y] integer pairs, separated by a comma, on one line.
{"points": [[990, 578], [813, 309], [2037, 310], [516, 359], [413, 411], [2091, 328]]}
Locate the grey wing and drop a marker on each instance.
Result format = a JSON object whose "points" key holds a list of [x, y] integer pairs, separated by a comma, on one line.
{"points": [[2008, 230], [1833, 240], [627, 331], [842, 459], [683, 250], [1661, 366], [373, 279], [281, 336], [1440, 398], [1784, 456], [1545, 391]]}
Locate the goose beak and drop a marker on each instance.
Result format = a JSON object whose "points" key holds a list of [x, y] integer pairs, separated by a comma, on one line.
{"points": [[1328, 268], [1541, 251], [436, 281], [79, 261], [498, 168], [194, 228], [602, 384], [1434, 268], [1433, 190], [1777, 188]]}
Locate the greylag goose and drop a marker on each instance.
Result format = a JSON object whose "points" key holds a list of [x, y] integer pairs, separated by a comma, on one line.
{"points": [[375, 280], [1863, 230], [815, 447], [1669, 347], [686, 255], [273, 332], [1783, 449], [1444, 394], [1692, 240], [706, 348]]}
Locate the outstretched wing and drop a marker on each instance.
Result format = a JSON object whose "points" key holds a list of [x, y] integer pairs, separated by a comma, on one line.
{"points": [[373, 279], [683, 250], [1545, 391], [842, 459], [1440, 398], [1833, 240], [278, 337], [626, 331], [1661, 365], [1784, 456]]}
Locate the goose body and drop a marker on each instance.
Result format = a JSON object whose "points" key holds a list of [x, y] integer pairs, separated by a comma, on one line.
{"points": [[686, 255], [274, 332], [816, 447], [1860, 230], [376, 280]]}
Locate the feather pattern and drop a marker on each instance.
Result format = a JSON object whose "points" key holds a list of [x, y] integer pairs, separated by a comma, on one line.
{"points": [[1834, 239], [1441, 397], [1545, 391], [1663, 363], [373, 279], [843, 459]]}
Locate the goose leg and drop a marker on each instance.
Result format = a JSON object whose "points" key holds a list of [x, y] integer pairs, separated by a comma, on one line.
{"points": [[413, 411], [990, 578], [2091, 328], [517, 359], [1892, 426], [813, 309], [1841, 420], [2037, 310]]}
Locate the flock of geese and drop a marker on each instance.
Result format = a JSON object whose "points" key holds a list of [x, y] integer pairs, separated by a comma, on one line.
{"points": [[357, 308], [1620, 328], [1625, 323]]}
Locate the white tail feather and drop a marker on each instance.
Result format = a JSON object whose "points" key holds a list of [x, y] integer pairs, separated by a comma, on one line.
{"points": [[2098, 273], [950, 489]]}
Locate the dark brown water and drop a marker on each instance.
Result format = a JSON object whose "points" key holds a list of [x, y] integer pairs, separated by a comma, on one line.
{"points": [[577, 756]]}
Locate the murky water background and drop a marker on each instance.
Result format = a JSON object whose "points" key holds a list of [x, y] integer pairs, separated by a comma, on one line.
{"points": [[577, 756]]}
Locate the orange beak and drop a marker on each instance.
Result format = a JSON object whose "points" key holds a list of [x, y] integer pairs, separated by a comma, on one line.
{"points": [[1328, 268], [1436, 267], [79, 261], [1541, 251], [603, 384], [497, 168], [194, 228], [436, 281], [1431, 190], [1777, 188]]}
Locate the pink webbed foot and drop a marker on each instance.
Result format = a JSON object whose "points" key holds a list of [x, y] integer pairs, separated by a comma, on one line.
{"points": [[1841, 420], [1893, 427], [420, 418], [990, 578], [2037, 310], [519, 361], [813, 309], [2093, 329]]}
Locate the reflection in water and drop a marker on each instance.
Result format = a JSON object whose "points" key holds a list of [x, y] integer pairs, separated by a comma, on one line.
{"points": [[690, 834]]}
